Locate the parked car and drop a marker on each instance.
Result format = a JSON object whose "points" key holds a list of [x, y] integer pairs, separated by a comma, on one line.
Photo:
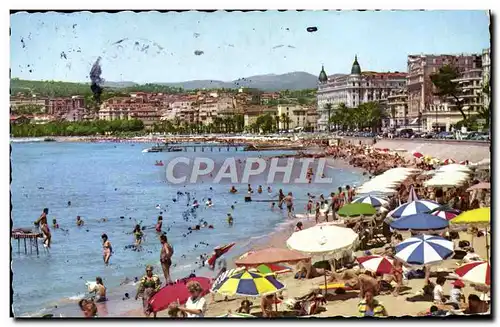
{"points": [[406, 133]]}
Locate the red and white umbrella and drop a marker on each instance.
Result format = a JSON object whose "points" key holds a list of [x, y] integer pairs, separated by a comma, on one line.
{"points": [[448, 161], [478, 272], [417, 155], [376, 263], [448, 215]]}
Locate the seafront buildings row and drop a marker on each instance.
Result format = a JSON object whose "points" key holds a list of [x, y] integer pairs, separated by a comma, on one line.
{"points": [[409, 97]]}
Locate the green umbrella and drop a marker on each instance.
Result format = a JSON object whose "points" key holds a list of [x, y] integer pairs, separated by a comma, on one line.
{"points": [[356, 210]]}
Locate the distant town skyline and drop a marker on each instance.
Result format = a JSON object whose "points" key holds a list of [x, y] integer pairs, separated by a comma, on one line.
{"points": [[174, 47]]}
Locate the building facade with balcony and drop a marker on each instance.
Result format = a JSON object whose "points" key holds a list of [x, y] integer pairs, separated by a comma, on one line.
{"points": [[298, 116], [486, 63], [354, 89], [424, 107], [397, 108]]}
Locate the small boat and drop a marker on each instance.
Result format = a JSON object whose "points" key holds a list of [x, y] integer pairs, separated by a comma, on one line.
{"points": [[49, 139]]}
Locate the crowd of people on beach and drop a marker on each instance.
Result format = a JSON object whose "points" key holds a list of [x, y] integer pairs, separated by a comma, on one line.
{"points": [[321, 207]]}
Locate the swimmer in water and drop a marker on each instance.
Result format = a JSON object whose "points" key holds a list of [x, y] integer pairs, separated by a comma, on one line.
{"points": [[195, 203], [230, 219], [259, 190], [269, 190], [138, 235], [250, 189], [79, 221], [273, 204], [209, 202], [107, 248], [55, 224], [158, 224], [69, 203], [233, 190]]}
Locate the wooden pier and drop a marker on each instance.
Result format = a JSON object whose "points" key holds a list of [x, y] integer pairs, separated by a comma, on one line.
{"points": [[19, 234]]}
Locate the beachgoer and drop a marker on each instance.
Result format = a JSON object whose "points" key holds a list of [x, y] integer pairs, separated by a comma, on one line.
{"points": [[368, 283], [317, 212], [281, 197], [230, 219], [159, 223], [289, 204], [475, 305], [107, 248], [79, 221], [259, 189], [269, 190], [100, 290], [209, 202], [233, 190], [456, 295], [166, 254], [350, 194], [249, 189], [266, 306], [397, 273], [55, 224], [88, 308], [309, 206], [306, 270], [196, 305], [44, 227], [438, 291], [370, 307], [273, 204], [341, 197], [245, 307], [148, 286], [298, 227], [138, 234]]}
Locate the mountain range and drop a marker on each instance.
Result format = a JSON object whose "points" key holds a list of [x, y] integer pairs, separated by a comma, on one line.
{"points": [[269, 82]]}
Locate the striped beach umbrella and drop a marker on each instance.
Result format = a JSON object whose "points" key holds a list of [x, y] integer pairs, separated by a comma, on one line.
{"points": [[272, 269], [448, 215], [414, 207], [247, 283], [475, 272], [376, 263], [372, 200], [419, 222], [424, 249]]}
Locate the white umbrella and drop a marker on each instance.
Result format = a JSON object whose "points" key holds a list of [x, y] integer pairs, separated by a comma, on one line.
{"points": [[332, 240]]}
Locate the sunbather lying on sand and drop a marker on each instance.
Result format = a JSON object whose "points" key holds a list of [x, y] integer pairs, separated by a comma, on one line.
{"points": [[307, 270]]}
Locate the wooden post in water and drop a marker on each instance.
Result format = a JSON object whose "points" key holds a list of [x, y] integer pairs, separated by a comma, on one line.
{"points": [[36, 243], [25, 248], [18, 246]]}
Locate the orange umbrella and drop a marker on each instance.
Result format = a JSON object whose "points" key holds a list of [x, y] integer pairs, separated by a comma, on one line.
{"points": [[479, 186], [271, 255]]}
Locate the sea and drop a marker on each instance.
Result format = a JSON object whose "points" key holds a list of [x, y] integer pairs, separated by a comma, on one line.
{"points": [[121, 183]]}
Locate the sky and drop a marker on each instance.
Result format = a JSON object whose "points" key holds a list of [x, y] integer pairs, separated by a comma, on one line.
{"points": [[174, 47]]}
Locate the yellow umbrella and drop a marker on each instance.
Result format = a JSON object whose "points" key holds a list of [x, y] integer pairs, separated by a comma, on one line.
{"points": [[479, 216], [476, 216]]}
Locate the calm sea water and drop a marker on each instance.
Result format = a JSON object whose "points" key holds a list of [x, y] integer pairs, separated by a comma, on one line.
{"points": [[108, 180]]}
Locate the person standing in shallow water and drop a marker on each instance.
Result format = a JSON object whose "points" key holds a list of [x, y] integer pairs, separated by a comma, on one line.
{"points": [[166, 257], [148, 286], [44, 227], [159, 223], [107, 249]]}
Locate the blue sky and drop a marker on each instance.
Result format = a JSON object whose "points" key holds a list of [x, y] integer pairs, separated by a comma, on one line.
{"points": [[160, 47]]}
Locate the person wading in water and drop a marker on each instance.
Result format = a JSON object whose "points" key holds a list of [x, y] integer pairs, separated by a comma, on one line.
{"points": [[44, 227], [107, 248], [166, 257]]}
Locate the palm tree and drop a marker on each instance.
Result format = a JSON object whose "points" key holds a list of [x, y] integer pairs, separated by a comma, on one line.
{"points": [[285, 120]]}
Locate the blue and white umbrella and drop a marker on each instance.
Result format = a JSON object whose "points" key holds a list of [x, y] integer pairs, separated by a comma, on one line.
{"points": [[419, 222], [414, 207], [373, 200], [424, 249]]}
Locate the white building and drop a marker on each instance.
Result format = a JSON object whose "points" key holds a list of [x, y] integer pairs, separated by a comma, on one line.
{"points": [[354, 89], [298, 116]]}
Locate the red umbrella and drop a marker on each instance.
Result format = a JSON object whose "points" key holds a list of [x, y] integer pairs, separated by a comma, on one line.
{"points": [[376, 263], [219, 252], [417, 155], [177, 292], [478, 272], [273, 268], [449, 161]]}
